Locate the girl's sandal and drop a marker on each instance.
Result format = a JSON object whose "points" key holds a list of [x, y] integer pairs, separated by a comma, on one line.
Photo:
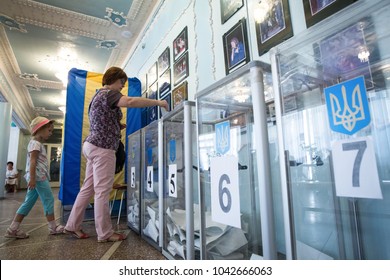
{"points": [[114, 238], [78, 234]]}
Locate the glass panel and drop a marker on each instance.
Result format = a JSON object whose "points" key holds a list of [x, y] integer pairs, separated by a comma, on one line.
{"points": [[150, 189], [231, 216], [335, 216], [134, 180], [175, 210]]}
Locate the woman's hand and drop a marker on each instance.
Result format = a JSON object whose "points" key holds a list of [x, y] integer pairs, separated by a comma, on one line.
{"points": [[164, 104]]}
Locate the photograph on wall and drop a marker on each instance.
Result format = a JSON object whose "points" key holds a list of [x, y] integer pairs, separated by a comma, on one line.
{"points": [[163, 61], [229, 8], [273, 25], [168, 98], [144, 82], [152, 74], [317, 10], [235, 47], [345, 55], [179, 94], [180, 44], [180, 69], [165, 83], [152, 111]]}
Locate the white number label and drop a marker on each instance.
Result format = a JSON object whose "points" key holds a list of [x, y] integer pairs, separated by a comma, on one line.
{"points": [[132, 177], [172, 175], [225, 196], [149, 178], [355, 169]]}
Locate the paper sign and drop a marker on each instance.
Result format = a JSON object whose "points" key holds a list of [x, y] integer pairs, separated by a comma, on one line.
{"points": [[355, 170], [149, 178], [225, 196], [172, 175]]}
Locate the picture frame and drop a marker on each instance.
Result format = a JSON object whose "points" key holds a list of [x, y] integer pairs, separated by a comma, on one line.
{"points": [[180, 69], [339, 56], [152, 74], [152, 91], [164, 83], [235, 46], [229, 8], [152, 111], [316, 11], [168, 98], [179, 94], [275, 26], [163, 61], [180, 44], [144, 82]]}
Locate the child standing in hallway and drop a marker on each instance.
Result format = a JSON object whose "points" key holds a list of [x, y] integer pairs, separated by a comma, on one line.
{"points": [[37, 177]]}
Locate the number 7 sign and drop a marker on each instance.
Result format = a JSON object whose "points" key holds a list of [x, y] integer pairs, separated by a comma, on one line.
{"points": [[355, 170]]}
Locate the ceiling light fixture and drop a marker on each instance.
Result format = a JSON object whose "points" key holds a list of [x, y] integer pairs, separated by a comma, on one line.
{"points": [[363, 54]]}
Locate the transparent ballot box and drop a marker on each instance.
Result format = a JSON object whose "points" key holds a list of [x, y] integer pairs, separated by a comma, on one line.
{"points": [[150, 188], [333, 114], [180, 182], [134, 181], [236, 206]]}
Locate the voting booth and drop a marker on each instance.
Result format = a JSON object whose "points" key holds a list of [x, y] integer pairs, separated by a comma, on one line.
{"points": [[332, 111], [236, 206], [180, 182]]}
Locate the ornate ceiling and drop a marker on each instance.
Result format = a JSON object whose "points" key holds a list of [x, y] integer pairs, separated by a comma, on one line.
{"points": [[41, 40]]}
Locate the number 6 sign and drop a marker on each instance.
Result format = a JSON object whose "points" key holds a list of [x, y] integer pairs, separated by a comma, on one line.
{"points": [[355, 169], [225, 197]]}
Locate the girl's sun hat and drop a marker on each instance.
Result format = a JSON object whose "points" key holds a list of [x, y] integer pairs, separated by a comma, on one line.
{"points": [[37, 123]]}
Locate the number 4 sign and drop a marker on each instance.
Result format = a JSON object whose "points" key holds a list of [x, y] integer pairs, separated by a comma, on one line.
{"points": [[225, 196], [355, 168]]}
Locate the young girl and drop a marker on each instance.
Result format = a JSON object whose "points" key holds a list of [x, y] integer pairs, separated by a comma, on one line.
{"points": [[37, 177]]}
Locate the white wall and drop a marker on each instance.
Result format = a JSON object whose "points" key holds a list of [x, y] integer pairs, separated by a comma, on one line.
{"points": [[205, 31]]}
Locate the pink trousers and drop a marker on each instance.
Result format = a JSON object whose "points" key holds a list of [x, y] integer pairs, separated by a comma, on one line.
{"points": [[99, 179]]}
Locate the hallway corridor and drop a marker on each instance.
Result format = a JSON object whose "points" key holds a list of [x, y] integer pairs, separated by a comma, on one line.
{"points": [[42, 246]]}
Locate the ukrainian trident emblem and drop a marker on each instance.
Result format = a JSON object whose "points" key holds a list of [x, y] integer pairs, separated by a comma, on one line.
{"points": [[347, 106], [222, 137]]}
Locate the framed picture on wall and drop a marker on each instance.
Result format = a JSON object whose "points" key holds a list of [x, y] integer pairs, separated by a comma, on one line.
{"points": [[163, 61], [317, 10], [180, 44], [165, 83], [152, 111], [144, 82], [168, 98], [180, 69], [229, 8], [152, 74], [179, 94], [273, 26], [235, 46], [342, 56]]}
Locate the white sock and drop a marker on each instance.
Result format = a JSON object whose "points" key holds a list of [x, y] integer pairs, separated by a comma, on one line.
{"points": [[14, 225], [52, 224]]}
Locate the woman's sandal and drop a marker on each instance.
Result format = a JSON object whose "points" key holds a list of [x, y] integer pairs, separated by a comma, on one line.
{"points": [[114, 238], [78, 234]]}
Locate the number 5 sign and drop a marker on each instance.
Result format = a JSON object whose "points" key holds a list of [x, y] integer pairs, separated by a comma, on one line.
{"points": [[355, 168], [225, 197]]}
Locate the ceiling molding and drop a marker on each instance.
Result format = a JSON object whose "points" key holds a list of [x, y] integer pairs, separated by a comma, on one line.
{"points": [[140, 9], [15, 94], [46, 16], [42, 83]]}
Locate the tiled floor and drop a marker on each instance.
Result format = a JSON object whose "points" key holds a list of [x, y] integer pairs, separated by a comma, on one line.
{"points": [[42, 246]]}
